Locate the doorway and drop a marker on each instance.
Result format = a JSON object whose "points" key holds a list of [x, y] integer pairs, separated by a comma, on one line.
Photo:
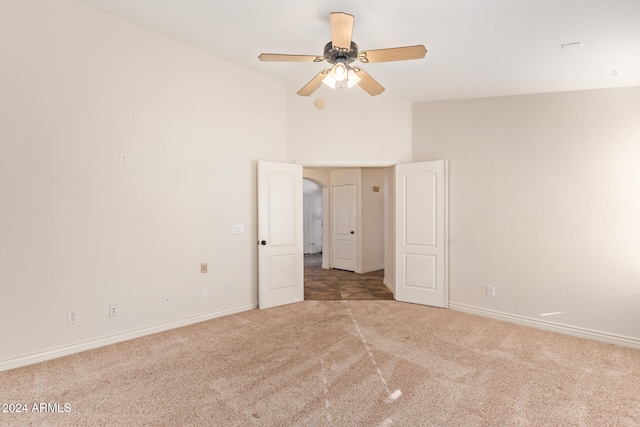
{"points": [[416, 232], [348, 225]]}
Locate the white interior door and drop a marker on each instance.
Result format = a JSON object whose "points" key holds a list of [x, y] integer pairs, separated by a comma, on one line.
{"points": [[344, 224], [421, 233], [280, 247]]}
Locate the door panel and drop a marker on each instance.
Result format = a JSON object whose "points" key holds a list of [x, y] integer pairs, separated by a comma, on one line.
{"points": [[420, 271], [420, 215], [343, 250], [421, 233], [280, 245], [280, 271]]}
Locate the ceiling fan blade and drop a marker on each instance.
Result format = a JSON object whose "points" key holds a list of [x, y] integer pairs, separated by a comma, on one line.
{"points": [[367, 82], [279, 57], [393, 54], [341, 29], [314, 84]]}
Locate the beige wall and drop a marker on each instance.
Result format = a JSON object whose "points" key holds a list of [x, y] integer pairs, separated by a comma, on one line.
{"points": [[79, 230], [544, 204], [373, 219], [353, 129], [543, 200], [320, 176]]}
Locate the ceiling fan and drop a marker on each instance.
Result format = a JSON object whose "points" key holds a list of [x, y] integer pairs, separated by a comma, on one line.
{"points": [[341, 51]]}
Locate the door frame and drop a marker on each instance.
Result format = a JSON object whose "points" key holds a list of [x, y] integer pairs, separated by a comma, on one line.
{"points": [[306, 223], [356, 250], [327, 184], [389, 260]]}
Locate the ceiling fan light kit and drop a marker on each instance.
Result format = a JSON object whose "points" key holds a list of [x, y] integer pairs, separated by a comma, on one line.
{"points": [[339, 72], [341, 51], [339, 75]]}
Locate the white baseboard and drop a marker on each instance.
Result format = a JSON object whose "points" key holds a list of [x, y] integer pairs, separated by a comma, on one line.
{"points": [[389, 285], [371, 268], [549, 326], [77, 348]]}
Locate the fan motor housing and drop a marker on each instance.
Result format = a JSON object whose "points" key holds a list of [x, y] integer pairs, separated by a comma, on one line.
{"points": [[333, 55]]}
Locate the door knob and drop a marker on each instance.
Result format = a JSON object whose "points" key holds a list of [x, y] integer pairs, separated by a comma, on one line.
{"points": [[264, 242], [353, 232]]}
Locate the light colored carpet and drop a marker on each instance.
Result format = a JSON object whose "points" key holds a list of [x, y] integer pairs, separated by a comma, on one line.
{"points": [[337, 363]]}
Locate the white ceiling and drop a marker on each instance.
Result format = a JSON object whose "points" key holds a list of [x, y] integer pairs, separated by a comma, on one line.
{"points": [[476, 48]]}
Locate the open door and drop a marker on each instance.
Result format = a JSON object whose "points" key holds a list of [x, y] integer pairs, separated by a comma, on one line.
{"points": [[421, 233], [280, 244]]}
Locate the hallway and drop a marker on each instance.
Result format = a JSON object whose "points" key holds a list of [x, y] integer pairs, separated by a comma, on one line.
{"points": [[323, 284]]}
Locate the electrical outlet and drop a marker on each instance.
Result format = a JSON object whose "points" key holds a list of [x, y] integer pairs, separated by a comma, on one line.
{"points": [[72, 317], [237, 229], [227, 288], [491, 291], [166, 299], [113, 310], [204, 292], [203, 267]]}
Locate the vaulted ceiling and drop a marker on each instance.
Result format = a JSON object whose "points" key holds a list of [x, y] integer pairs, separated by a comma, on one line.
{"points": [[476, 48]]}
